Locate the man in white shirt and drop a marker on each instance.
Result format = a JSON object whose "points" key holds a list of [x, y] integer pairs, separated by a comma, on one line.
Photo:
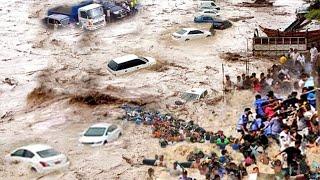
{"points": [[313, 53], [301, 59], [284, 138], [295, 55]]}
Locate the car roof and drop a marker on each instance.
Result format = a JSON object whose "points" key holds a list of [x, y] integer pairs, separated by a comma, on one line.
{"points": [[198, 91], [90, 6], [36, 147], [125, 58], [58, 16], [105, 125], [190, 29]]}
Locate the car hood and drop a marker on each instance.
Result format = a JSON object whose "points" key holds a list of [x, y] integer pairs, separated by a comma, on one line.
{"points": [[176, 34], [91, 139]]}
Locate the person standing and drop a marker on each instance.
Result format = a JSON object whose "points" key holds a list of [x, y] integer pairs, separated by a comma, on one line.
{"points": [[313, 54], [293, 154], [228, 84], [301, 59], [243, 121], [295, 55]]}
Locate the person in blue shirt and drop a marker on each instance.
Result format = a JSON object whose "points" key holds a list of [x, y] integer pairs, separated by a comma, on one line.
{"points": [[243, 121], [259, 104], [256, 124]]}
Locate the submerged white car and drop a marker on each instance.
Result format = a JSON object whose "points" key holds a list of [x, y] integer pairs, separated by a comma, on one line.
{"points": [[187, 34], [100, 134], [129, 63], [40, 158], [194, 94]]}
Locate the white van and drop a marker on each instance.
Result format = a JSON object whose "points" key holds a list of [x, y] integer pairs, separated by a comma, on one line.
{"points": [[129, 63], [207, 5]]}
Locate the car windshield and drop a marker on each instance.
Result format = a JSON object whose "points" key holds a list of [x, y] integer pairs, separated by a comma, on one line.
{"points": [[181, 32], [48, 153], [113, 65], [96, 12], [189, 96], [96, 131]]}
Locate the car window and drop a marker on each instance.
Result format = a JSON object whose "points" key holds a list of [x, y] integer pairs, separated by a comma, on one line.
{"points": [[28, 154], [83, 14], [112, 128], [205, 93], [191, 32], [95, 131], [113, 65], [48, 153], [207, 18], [199, 32], [196, 32], [130, 64], [57, 22], [18, 153], [50, 21], [181, 32]]}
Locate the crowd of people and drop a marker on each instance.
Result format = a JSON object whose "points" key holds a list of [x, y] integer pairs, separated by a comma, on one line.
{"points": [[290, 121], [292, 69]]}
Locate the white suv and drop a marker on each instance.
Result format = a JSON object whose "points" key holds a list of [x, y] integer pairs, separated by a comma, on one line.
{"points": [[129, 63]]}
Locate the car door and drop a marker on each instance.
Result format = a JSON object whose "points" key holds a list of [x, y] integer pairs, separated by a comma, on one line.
{"points": [[197, 34], [17, 156], [111, 133], [191, 35]]}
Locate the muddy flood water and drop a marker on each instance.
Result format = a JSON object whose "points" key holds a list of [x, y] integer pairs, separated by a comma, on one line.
{"points": [[52, 72]]}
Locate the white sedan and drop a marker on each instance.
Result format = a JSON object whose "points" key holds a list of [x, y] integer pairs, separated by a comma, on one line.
{"points": [[187, 34], [40, 158], [129, 63], [100, 134]]}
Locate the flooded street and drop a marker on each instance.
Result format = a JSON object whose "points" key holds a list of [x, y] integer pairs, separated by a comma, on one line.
{"points": [[51, 70]]}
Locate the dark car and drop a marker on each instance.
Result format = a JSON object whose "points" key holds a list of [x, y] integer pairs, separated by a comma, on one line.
{"points": [[56, 21], [204, 19], [220, 24], [116, 12]]}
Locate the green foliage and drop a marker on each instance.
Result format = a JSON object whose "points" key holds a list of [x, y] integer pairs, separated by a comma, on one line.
{"points": [[313, 14]]}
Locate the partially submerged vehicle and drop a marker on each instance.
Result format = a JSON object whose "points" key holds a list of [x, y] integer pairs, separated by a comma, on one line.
{"points": [[56, 21], [116, 12], [206, 19], [220, 24], [87, 15], [207, 5], [40, 158], [194, 94], [187, 34], [129, 63], [100, 134]]}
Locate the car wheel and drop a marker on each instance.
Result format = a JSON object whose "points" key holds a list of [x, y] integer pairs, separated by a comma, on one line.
{"points": [[105, 142], [208, 35], [187, 39], [120, 134]]}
